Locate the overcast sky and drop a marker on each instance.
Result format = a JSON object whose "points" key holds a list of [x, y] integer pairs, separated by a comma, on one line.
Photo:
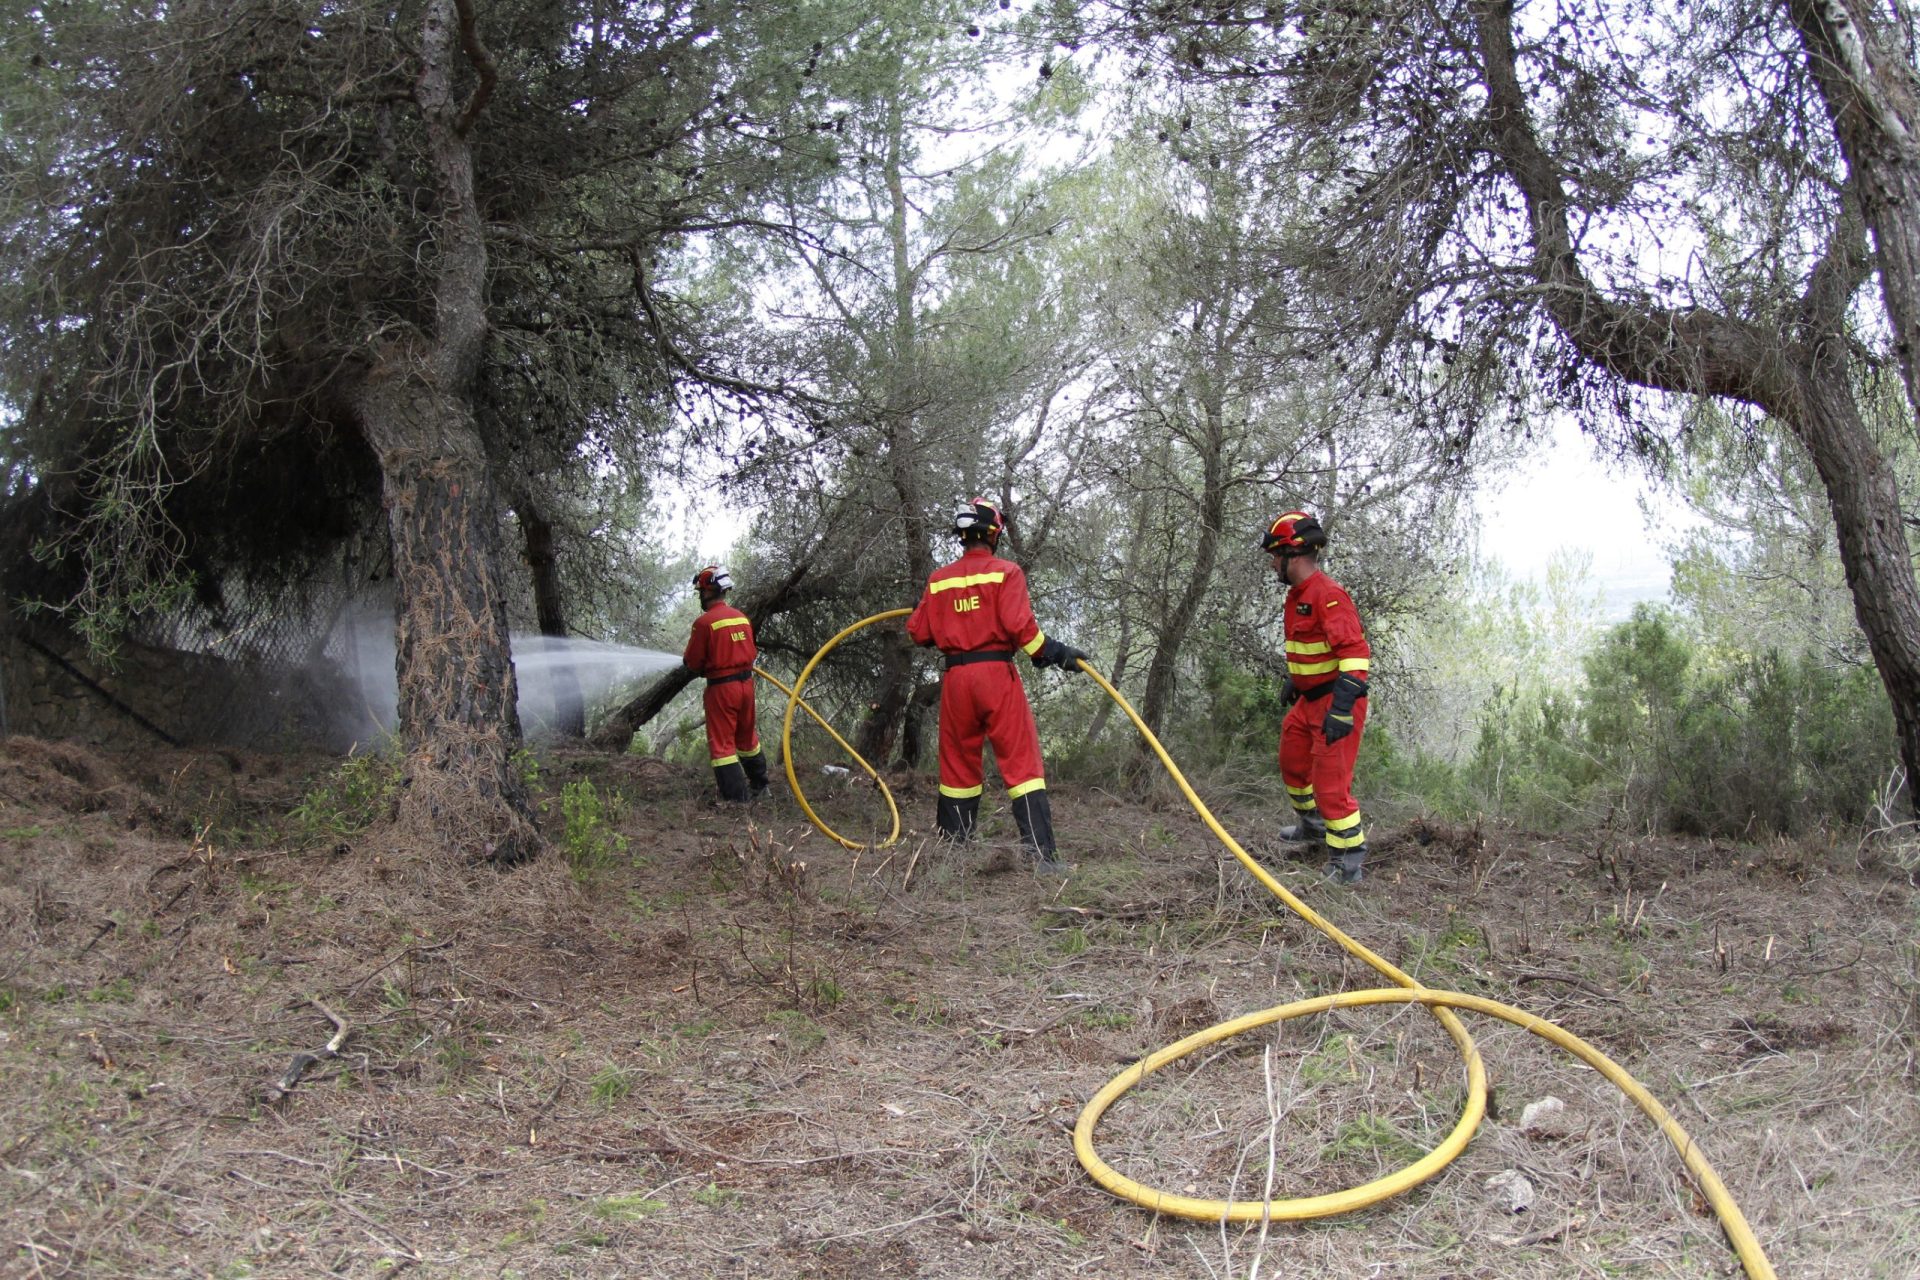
{"points": [[1566, 497]]}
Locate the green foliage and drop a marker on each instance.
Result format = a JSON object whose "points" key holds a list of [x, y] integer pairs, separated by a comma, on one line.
{"points": [[715, 1196], [351, 799], [802, 1033], [1664, 734], [610, 1086], [1243, 706], [587, 838], [629, 1207], [1373, 1135]]}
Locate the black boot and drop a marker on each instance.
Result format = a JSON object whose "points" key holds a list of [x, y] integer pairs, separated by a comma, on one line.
{"points": [[1307, 827], [756, 767], [1033, 814], [732, 781], [1343, 865], [957, 818]]}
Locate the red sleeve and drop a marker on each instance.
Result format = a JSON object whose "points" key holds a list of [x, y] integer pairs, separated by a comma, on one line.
{"points": [[919, 625], [1016, 610], [695, 657]]}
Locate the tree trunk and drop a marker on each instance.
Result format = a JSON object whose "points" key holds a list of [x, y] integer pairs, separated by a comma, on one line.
{"points": [[456, 686], [892, 691], [893, 688], [1874, 102], [569, 709], [454, 662], [1865, 501], [926, 698], [1165, 663]]}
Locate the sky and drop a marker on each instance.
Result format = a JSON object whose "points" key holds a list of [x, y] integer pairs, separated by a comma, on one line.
{"points": [[1568, 498]]}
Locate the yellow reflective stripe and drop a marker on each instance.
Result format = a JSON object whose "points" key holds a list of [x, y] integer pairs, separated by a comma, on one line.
{"points": [[1311, 668], [720, 760], [1344, 824], [1304, 793], [1031, 784], [1353, 841], [960, 793], [1309, 646], [729, 622], [748, 755], [971, 580], [1032, 646], [1355, 664]]}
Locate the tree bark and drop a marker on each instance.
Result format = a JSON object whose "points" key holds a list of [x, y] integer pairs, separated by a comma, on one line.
{"points": [[457, 695], [879, 729], [1800, 378], [457, 692], [1164, 665], [1873, 100]]}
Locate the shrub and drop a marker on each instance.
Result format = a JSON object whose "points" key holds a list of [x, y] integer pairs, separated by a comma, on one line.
{"points": [[587, 837]]}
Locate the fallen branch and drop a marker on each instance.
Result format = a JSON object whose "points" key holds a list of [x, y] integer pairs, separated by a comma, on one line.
{"points": [[302, 1062]]}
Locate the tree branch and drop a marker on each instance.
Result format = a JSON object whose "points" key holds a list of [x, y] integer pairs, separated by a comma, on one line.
{"points": [[483, 64]]}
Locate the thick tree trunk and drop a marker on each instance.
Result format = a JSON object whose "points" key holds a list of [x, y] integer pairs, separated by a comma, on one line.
{"points": [[1865, 501], [887, 708], [457, 716], [457, 692], [569, 708], [913, 737]]}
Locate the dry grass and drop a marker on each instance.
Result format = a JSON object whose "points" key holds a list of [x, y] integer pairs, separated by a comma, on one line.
{"points": [[740, 1051]]}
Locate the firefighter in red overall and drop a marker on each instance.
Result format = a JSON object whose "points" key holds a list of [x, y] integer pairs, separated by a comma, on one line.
{"points": [[978, 612], [721, 648], [1327, 664]]}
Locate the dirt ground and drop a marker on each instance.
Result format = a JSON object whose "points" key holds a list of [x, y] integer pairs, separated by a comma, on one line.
{"points": [[737, 1050]]}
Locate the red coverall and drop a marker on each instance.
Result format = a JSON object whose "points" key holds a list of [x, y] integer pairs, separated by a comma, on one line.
{"points": [[721, 648], [979, 604], [1324, 639]]}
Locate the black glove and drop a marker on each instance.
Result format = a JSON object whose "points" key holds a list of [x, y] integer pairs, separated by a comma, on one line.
{"points": [[1289, 693], [1054, 654], [1347, 690]]}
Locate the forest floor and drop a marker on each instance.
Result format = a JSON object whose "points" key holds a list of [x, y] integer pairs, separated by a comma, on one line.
{"points": [[736, 1050]]}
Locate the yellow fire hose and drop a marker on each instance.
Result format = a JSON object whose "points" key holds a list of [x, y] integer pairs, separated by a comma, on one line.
{"points": [[786, 739], [1407, 991]]}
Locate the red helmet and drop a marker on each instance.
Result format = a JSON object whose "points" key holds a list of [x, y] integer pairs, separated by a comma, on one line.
{"points": [[979, 518], [713, 578], [1294, 533]]}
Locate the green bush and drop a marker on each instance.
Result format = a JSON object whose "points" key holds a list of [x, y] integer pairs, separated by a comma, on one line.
{"points": [[350, 799], [587, 837], [1664, 735]]}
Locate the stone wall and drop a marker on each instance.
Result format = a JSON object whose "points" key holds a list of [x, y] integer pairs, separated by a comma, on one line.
{"points": [[52, 688]]}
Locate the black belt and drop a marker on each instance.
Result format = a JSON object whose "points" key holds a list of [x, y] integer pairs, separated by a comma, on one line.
{"points": [[979, 655], [1316, 693], [738, 675]]}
